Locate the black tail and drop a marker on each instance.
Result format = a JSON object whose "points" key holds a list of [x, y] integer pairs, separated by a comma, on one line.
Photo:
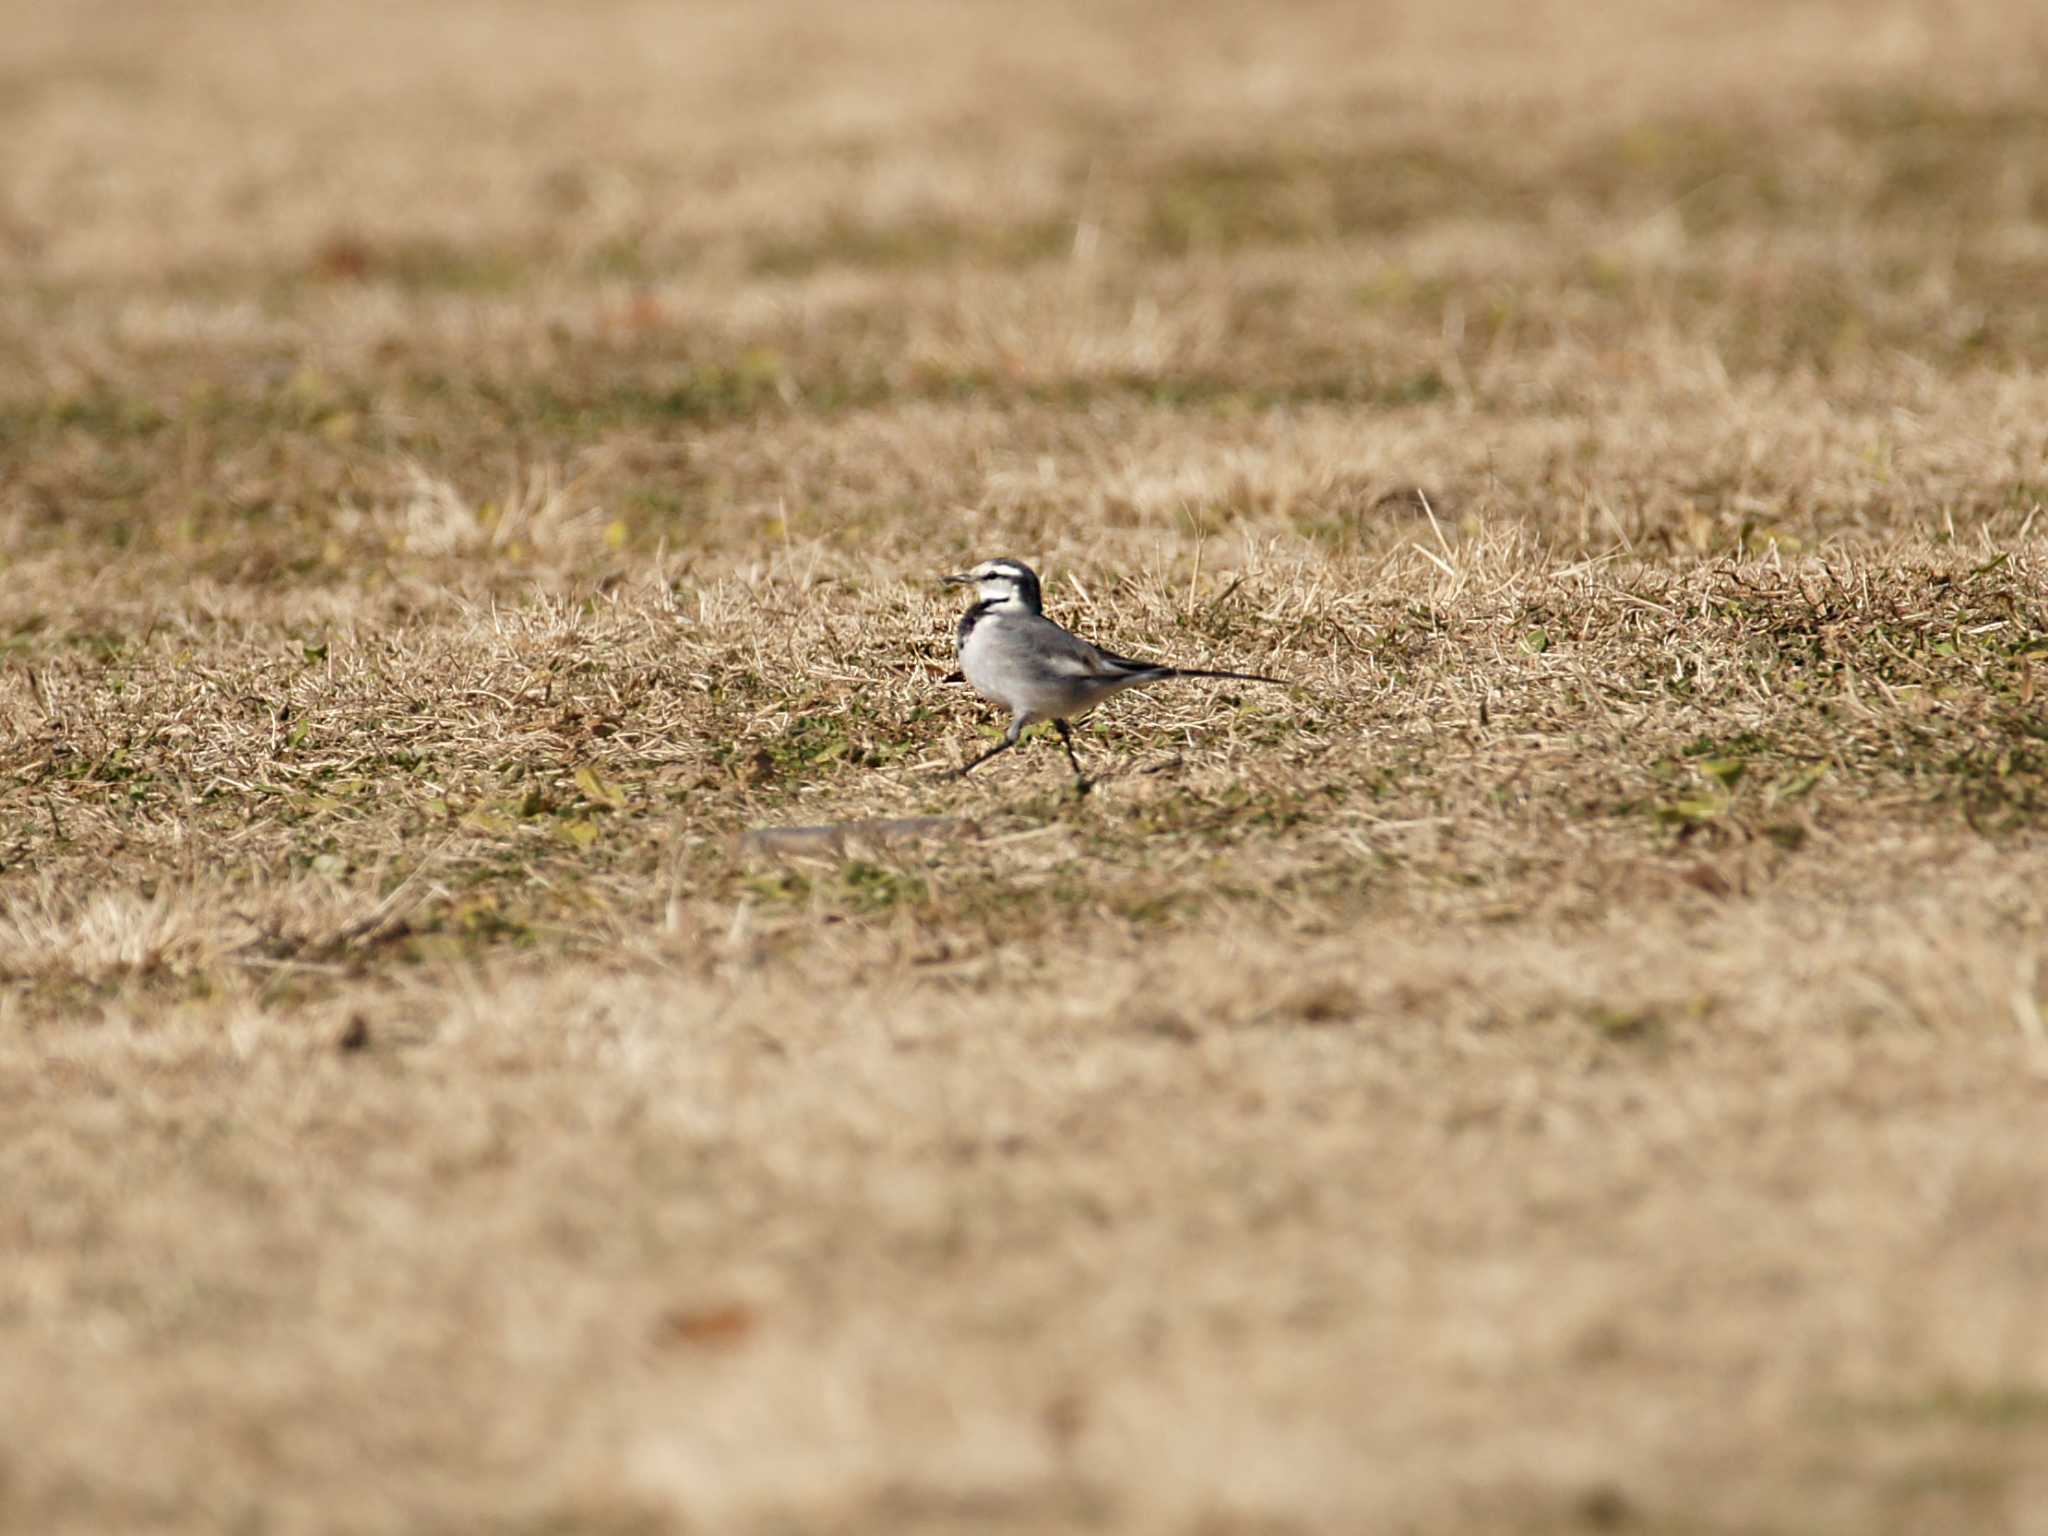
{"points": [[1240, 677], [1154, 672]]}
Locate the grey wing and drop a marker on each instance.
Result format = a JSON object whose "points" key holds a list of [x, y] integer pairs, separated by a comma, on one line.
{"points": [[1067, 654], [1129, 666]]}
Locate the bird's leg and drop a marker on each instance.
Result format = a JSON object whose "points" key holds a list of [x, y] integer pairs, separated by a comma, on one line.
{"points": [[1067, 741], [1009, 740]]}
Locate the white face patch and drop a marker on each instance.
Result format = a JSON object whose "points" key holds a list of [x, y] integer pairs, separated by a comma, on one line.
{"points": [[998, 587], [1005, 583]]}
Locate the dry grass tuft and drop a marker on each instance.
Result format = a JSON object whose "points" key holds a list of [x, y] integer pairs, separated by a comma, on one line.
{"points": [[499, 991]]}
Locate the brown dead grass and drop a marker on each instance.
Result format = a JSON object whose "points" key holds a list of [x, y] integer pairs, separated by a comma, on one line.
{"points": [[1570, 1061]]}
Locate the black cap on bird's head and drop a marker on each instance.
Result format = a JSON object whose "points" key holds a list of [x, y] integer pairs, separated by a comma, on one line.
{"points": [[1000, 581]]}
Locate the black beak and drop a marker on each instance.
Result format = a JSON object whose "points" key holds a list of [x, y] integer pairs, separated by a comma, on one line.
{"points": [[960, 579]]}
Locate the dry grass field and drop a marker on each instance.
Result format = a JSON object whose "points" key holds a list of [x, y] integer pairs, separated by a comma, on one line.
{"points": [[1574, 1059]]}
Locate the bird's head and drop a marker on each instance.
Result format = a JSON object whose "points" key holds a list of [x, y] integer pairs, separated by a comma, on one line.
{"points": [[1003, 582]]}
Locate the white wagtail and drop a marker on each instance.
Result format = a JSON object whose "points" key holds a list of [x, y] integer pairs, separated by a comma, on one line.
{"points": [[1013, 655]]}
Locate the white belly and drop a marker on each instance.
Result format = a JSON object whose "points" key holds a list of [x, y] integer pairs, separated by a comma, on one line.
{"points": [[1009, 662]]}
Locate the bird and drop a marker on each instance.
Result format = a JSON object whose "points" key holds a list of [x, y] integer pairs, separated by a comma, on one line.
{"points": [[1013, 655]]}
